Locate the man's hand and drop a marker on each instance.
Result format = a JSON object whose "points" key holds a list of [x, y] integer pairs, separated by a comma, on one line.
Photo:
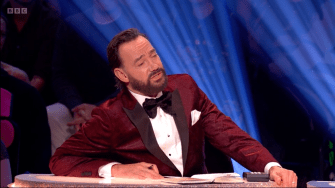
{"points": [[37, 82], [82, 113], [84, 110], [77, 121], [283, 177], [136, 171], [15, 72]]}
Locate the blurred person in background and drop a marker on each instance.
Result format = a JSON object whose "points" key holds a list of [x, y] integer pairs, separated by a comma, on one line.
{"points": [[28, 112], [81, 76], [6, 175], [29, 44]]}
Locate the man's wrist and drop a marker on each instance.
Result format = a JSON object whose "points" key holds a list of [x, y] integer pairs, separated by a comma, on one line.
{"points": [[106, 170], [113, 169]]}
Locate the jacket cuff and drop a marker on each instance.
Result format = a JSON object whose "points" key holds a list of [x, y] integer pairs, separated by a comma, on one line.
{"points": [[269, 165]]}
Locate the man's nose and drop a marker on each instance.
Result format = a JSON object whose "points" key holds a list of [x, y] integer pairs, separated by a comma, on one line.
{"points": [[153, 65]]}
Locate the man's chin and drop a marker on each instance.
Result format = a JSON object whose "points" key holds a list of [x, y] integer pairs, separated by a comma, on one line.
{"points": [[160, 83], [151, 87], [155, 89], [157, 83]]}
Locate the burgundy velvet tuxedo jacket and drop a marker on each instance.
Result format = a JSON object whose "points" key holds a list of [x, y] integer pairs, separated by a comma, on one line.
{"points": [[120, 130]]}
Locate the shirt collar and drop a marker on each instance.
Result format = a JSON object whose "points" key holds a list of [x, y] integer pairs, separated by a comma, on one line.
{"points": [[141, 98]]}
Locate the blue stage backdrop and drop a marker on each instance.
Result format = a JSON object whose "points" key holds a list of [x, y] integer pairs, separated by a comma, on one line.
{"points": [[202, 38]]}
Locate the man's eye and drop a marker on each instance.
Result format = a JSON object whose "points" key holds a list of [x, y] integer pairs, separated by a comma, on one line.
{"points": [[141, 64]]}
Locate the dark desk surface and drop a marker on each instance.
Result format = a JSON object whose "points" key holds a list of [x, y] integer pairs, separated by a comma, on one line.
{"points": [[49, 180]]}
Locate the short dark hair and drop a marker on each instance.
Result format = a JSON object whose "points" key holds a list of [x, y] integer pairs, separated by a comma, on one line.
{"points": [[113, 49]]}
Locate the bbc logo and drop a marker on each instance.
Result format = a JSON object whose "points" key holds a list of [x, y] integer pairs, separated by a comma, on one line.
{"points": [[16, 10]]}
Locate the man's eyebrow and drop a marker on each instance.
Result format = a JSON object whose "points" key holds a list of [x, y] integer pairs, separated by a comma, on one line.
{"points": [[152, 51], [137, 59]]}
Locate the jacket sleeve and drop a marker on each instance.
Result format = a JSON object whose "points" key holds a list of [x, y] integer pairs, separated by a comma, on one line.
{"points": [[85, 151], [226, 136]]}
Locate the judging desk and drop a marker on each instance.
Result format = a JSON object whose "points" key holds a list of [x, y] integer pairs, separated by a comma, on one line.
{"points": [[50, 180]]}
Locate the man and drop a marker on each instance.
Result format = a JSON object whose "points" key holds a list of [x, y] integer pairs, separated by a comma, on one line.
{"points": [[125, 140]]}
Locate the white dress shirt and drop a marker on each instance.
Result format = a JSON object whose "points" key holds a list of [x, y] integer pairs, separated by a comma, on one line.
{"points": [[167, 137]]}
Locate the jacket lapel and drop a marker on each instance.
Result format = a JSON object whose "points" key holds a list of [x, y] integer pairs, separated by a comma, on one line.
{"points": [[140, 119], [181, 123]]}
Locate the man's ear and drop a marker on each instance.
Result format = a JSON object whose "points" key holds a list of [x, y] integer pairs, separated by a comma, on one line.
{"points": [[121, 75]]}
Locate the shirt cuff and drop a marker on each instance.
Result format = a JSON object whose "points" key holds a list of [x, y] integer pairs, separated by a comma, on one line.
{"points": [[269, 165], [106, 170]]}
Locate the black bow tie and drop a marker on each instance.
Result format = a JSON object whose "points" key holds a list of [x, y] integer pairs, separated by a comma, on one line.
{"points": [[150, 105]]}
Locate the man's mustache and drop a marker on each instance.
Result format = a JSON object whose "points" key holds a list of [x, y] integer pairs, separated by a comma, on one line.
{"points": [[156, 71]]}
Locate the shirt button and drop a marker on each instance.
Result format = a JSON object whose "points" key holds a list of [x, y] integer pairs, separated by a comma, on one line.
{"points": [[169, 154], [168, 135]]}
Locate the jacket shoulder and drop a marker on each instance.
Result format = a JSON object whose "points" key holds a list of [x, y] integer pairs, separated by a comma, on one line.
{"points": [[180, 76], [111, 103], [181, 80]]}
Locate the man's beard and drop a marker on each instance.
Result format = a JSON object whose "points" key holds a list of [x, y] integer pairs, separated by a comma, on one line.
{"points": [[147, 88]]}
